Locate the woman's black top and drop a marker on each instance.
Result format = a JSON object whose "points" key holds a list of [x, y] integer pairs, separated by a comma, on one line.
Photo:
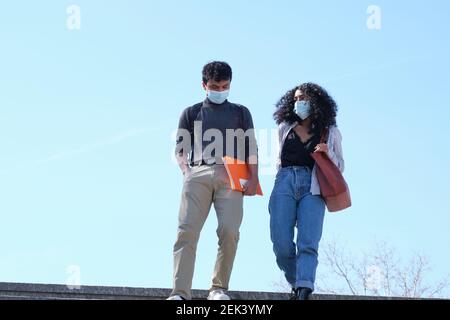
{"points": [[297, 153]]}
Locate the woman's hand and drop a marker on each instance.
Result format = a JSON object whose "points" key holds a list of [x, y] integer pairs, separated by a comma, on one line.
{"points": [[321, 147]]}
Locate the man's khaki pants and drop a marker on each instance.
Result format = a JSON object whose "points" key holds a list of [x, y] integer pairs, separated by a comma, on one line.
{"points": [[203, 186]]}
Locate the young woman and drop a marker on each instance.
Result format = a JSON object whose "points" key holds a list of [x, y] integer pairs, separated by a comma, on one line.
{"points": [[303, 114]]}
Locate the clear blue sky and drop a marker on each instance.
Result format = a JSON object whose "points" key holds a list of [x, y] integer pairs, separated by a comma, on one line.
{"points": [[86, 118]]}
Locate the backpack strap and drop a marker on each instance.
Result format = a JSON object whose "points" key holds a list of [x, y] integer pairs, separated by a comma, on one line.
{"points": [[192, 116]]}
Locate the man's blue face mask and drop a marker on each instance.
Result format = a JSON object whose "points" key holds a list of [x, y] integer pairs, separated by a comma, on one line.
{"points": [[217, 97]]}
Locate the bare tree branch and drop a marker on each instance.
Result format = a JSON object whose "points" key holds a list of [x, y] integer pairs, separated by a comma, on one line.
{"points": [[376, 272], [391, 277], [338, 264]]}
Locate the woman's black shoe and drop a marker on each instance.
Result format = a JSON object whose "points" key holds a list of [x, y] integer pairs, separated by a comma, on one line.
{"points": [[293, 295], [303, 293]]}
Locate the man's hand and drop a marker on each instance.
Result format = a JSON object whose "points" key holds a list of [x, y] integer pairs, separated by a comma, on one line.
{"points": [[252, 183], [251, 186], [183, 164]]}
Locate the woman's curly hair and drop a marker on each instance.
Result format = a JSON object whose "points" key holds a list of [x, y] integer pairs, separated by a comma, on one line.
{"points": [[323, 107]]}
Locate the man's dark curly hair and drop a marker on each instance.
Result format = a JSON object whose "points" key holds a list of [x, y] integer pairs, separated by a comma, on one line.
{"points": [[323, 107], [217, 71]]}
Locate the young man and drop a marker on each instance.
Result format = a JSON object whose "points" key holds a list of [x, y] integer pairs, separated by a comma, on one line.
{"points": [[206, 132]]}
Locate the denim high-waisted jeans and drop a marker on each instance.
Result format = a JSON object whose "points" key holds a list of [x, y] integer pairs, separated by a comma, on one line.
{"points": [[292, 205]]}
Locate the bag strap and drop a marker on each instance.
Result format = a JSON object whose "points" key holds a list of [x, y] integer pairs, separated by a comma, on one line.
{"points": [[325, 133]]}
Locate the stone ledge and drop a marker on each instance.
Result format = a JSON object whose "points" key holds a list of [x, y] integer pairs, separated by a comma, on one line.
{"points": [[30, 291]]}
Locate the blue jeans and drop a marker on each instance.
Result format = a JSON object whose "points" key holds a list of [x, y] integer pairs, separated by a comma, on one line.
{"points": [[292, 205]]}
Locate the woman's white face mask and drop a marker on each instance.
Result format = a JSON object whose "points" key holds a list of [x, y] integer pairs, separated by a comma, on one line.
{"points": [[302, 109]]}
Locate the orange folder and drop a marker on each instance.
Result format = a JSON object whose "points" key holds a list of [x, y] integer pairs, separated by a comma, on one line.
{"points": [[238, 172]]}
